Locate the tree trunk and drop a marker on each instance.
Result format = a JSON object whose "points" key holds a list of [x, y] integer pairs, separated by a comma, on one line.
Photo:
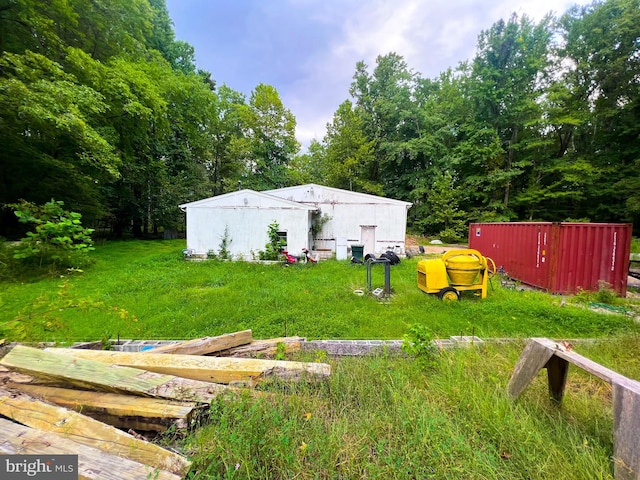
{"points": [[507, 188]]}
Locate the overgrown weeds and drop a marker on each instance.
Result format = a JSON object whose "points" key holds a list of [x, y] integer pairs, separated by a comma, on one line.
{"points": [[419, 344], [388, 417]]}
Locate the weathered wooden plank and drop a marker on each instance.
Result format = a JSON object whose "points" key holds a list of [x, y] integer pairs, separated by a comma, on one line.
{"points": [[533, 358], [207, 369], [97, 345], [7, 375], [123, 411], [91, 374], [204, 345], [626, 431], [93, 464], [82, 429], [263, 348], [578, 360]]}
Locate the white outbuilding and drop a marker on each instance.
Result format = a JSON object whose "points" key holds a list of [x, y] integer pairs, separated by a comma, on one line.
{"points": [[352, 218], [243, 218], [327, 220]]}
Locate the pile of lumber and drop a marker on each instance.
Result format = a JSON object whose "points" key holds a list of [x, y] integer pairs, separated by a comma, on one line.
{"points": [[97, 404]]}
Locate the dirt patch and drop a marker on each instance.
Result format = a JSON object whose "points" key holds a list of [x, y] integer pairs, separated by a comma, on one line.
{"points": [[414, 242]]}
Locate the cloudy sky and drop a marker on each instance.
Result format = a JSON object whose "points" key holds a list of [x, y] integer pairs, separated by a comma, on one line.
{"points": [[308, 49]]}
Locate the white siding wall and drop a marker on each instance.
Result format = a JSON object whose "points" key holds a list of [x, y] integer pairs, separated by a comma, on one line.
{"points": [[247, 228], [346, 219], [349, 210]]}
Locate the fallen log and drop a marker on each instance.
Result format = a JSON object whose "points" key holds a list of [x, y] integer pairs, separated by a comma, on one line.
{"points": [[263, 348], [93, 464], [53, 366], [84, 430], [204, 345], [123, 411], [207, 369]]}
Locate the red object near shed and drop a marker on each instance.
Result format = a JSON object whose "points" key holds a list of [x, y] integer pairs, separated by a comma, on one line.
{"points": [[558, 257]]}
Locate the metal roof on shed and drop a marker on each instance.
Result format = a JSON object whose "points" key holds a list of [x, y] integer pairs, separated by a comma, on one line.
{"points": [[247, 199], [319, 194]]}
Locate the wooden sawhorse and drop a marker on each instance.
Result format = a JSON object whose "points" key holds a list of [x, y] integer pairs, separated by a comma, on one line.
{"points": [[555, 357]]}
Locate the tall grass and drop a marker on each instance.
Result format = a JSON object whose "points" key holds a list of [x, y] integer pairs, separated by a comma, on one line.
{"points": [[379, 417], [141, 289], [386, 417]]}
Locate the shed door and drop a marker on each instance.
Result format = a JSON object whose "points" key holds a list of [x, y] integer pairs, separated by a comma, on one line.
{"points": [[368, 238]]}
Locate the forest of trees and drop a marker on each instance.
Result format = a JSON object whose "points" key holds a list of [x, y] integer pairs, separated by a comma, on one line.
{"points": [[103, 108]]}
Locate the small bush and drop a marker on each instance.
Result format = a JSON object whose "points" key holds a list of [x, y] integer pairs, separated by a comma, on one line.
{"points": [[449, 235], [418, 343], [58, 241], [605, 294], [275, 245], [225, 242]]}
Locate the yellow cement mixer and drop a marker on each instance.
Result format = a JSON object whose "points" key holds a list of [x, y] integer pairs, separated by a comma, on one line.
{"points": [[458, 270]]}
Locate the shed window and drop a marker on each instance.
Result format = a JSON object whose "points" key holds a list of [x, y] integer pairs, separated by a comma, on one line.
{"points": [[283, 237]]}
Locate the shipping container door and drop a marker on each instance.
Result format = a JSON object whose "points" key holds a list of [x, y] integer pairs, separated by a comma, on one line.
{"points": [[591, 254], [521, 250]]}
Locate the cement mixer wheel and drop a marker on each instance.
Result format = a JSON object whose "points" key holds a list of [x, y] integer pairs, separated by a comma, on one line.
{"points": [[449, 294]]}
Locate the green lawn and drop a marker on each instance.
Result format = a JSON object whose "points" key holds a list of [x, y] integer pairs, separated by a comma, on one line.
{"points": [[144, 289], [376, 417]]}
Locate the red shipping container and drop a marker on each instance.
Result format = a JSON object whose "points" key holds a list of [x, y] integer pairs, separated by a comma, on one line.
{"points": [[558, 257]]}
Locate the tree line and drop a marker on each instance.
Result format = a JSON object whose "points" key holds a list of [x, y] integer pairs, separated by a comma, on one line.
{"points": [[542, 124], [103, 108]]}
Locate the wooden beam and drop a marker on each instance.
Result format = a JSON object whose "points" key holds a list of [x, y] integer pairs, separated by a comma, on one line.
{"points": [[93, 464], [206, 369], [7, 375], [82, 429], [123, 411], [557, 370], [263, 348], [204, 345], [626, 431], [588, 365], [533, 358], [63, 369]]}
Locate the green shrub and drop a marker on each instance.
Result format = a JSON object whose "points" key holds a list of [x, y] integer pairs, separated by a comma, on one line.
{"points": [[418, 343], [59, 240], [274, 247], [605, 294], [225, 242], [449, 235]]}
